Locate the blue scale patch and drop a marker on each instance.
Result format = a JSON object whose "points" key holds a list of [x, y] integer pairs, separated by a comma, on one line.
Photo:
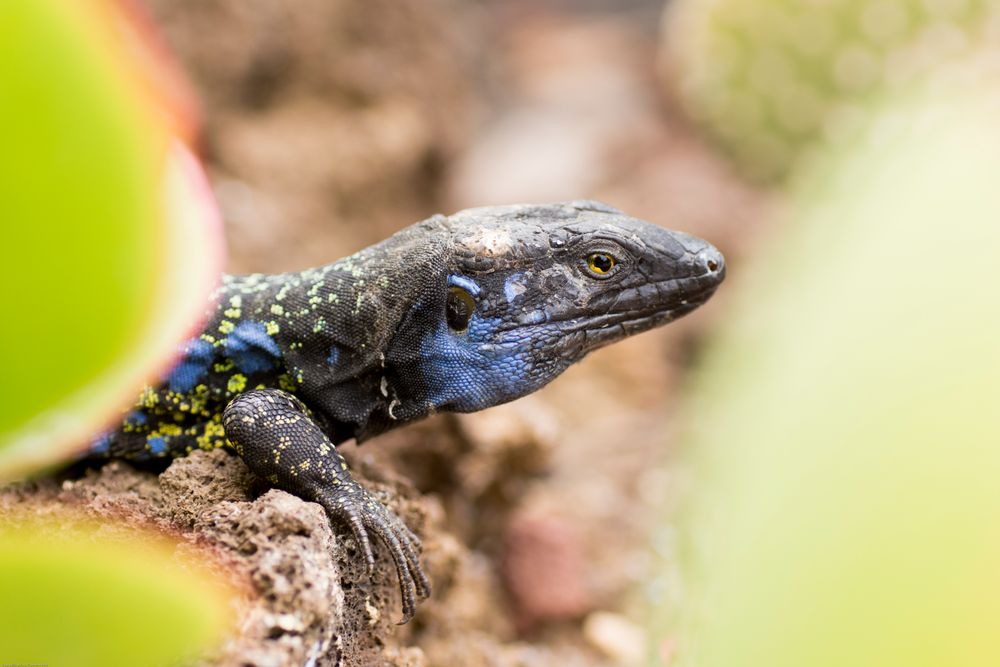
{"points": [[334, 357], [102, 444], [136, 418], [157, 445], [251, 348], [460, 378], [192, 367], [513, 287]]}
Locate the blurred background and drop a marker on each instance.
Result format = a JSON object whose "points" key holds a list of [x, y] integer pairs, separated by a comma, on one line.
{"points": [[329, 125]]}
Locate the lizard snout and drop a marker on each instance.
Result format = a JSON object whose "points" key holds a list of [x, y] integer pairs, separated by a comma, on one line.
{"points": [[713, 262]]}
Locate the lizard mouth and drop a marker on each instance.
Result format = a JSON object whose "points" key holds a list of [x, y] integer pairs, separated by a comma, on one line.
{"points": [[584, 335]]}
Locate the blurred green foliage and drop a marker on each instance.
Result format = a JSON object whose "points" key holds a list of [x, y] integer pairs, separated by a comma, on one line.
{"points": [[76, 176], [73, 598], [846, 432], [94, 207], [773, 80]]}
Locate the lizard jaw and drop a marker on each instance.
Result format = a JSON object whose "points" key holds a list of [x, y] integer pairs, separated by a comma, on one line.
{"points": [[605, 333], [588, 335]]}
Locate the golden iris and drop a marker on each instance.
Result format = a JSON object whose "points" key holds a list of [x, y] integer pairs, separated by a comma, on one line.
{"points": [[600, 263]]}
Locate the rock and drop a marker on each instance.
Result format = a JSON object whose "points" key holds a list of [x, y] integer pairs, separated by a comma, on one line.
{"points": [[544, 570]]}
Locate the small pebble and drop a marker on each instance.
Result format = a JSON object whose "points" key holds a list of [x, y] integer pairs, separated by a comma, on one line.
{"points": [[615, 636]]}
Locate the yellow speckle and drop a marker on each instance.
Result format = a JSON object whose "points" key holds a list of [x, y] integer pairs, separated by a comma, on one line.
{"points": [[276, 309], [214, 435], [236, 301], [223, 366], [232, 312], [149, 398], [285, 383], [165, 430], [237, 383], [199, 399], [271, 328], [226, 327]]}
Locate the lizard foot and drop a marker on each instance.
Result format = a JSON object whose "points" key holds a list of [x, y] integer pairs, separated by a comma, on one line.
{"points": [[275, 435], [366, 515]]}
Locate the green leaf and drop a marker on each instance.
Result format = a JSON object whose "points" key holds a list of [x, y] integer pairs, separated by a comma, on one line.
{"points": [[82, 599], [101, 276]]}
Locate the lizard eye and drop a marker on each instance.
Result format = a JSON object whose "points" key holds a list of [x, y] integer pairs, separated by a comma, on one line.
{"points": [[601, 264], [458, 310]]}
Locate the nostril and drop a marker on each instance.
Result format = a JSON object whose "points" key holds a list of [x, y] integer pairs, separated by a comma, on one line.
{"points": [[712, 260]]}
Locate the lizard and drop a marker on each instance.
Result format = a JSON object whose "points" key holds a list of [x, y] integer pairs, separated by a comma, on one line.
{"points": [[456, 313]]}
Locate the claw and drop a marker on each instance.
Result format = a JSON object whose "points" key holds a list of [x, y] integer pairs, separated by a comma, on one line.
{"points": [[361, 537], [365, 515]]}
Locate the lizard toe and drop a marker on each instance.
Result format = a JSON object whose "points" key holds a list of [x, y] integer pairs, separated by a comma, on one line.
{"points": [[367, 516]]}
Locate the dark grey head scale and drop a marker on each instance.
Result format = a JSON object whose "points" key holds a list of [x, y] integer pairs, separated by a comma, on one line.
{"points": [[527, 290]]}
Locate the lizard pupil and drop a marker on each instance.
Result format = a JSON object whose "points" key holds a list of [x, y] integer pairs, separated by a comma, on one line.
{"points": [[600, 263], [458, 309]]}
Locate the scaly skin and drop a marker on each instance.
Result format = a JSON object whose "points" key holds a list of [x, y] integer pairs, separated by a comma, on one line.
{"points": [[455, 313]]}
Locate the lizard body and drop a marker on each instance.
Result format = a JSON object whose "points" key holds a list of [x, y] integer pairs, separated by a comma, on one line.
{"points": [[454, 313]]}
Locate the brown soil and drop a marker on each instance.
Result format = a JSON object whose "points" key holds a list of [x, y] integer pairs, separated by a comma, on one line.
{"points": [[331, 123]]}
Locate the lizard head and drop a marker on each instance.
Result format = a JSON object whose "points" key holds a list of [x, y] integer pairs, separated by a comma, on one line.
{"points": [[525, 291]]}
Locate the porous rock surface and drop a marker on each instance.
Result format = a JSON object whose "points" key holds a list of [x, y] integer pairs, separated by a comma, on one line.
{"points": [[307, 598]]}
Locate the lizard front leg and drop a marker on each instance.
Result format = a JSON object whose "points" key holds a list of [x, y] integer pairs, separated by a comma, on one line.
{"points": [[276, 437]]}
